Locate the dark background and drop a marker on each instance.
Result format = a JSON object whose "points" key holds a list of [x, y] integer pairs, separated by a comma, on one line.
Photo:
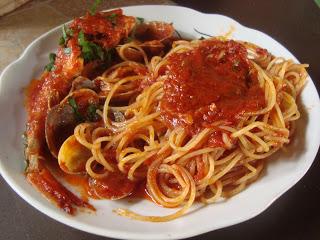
{"points": [[295, 215]]}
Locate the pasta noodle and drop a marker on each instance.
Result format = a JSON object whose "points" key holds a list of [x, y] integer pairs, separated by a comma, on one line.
{"points": [[125, 105], [179, 168]]}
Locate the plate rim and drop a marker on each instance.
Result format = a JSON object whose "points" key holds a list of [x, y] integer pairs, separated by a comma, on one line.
{"points": [[72, 222]]}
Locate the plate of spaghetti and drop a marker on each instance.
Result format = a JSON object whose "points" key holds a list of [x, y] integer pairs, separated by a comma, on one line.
{"points": [[148, 118]]}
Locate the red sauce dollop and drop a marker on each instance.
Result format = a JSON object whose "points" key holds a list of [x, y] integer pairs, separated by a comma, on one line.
{"points": [[212, 82]]}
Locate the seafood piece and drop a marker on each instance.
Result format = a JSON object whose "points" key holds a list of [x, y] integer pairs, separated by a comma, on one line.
{"points": [[80, 44], [40, 177], [155, 38], [154, 30], [114, 186], [82, 82], [73, 156], [60, 123], [63, 118]]}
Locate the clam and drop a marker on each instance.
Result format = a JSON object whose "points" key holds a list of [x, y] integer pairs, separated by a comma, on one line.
{"points": [[60, 123], [114, 186], [63, 118], [154, 31], [81, 83], [153, 48], [153, 37], [73, 156]]}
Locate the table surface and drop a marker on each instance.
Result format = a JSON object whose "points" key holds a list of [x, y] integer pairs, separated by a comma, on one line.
{"points": [[294, 23]]}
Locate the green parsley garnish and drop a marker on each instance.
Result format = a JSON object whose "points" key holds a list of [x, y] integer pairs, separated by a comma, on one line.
{"points": [[112, 18], [92, 113], [92, 51], [66, 34], [94, 7], [50, 65], [67, 51], [139, 20], [62, 41], [72, 102]]}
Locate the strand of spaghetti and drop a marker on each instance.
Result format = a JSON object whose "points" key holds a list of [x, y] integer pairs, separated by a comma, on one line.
{"points": [[262, 143], [260, 125], [97, 154], [192, 143], [79, 133], [137, 164], [280, 116], [129, 158], [227, 158], [250, 175], [270, 90], [122, 64], [109, 96], [154, 190], [136, 47], [289, 113], [217, 194], [226, 169], [257, 156], [162, 198], [203, 183], [91, 172], [130, 214], [192, 154], [239, 188]]}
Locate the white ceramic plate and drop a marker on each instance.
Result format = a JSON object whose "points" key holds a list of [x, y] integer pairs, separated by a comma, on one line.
{"points": [[282, 172]]}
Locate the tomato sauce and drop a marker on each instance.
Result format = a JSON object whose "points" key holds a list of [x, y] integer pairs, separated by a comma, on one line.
{"points": [[53, 190], [213, 82], [53, 86], [107, 29]]}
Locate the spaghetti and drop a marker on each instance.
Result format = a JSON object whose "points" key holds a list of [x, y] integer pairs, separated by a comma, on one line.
{"points": [[191, 120], [181, 164]]}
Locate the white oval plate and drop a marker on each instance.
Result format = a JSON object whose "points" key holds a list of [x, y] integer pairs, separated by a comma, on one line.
{"points": [[282, 172]]}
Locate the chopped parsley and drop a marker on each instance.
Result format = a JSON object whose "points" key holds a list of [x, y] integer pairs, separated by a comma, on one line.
{"points": [[67, 51], [72, 102], [50, 66], [66, 34], [62, 41], [92, 113], [112, 18], [131, 37], [93, 8], [140, 20], [92, 51]]}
